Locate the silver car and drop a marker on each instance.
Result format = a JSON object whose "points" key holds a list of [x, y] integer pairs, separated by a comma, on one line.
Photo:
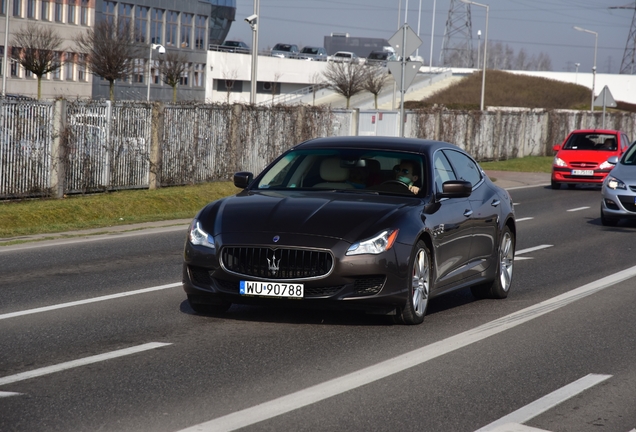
{"points": [[619, 189]]}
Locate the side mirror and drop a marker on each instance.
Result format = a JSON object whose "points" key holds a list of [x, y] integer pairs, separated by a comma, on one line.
{"points": [[456, 189], [243, 179], [613, 160], [556, 147]]}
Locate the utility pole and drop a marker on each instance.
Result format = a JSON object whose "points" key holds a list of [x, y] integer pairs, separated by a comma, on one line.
{"points": [[627, 65]]}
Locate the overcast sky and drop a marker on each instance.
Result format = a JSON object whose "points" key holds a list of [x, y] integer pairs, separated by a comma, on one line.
{"points": [[537, 26]]}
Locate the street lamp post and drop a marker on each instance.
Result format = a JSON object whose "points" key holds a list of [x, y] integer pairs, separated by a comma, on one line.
{"points": [[593, 67], [576, 75], [161, 50], [253, 22], [483, 74], [5, 63], [478, 47]]}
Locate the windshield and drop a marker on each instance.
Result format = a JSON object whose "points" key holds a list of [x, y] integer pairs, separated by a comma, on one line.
{"points": [[309, 50], [281, 47], [353, 169], [591, 141], [630, 156]]}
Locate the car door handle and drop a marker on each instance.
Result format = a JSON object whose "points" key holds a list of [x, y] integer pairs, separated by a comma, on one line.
{"points": [[495, 203], [468, 212]]}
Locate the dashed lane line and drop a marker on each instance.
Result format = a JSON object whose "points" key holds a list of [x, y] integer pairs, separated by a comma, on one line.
{"points": [[547, 402], [80, 362], [87, 301]]}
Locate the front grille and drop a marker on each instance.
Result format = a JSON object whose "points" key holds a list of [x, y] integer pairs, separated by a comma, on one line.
{"points": [[628, 202], [278, 264], [584, 165]]}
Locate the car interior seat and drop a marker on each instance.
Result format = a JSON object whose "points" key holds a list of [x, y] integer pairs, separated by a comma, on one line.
{"points": [[333, 175]]}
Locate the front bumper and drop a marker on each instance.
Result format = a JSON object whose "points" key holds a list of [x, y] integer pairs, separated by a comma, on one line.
{"points": [[564, 175]]}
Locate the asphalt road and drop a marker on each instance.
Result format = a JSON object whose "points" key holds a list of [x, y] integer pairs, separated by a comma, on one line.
{"points": [[95, 335]]}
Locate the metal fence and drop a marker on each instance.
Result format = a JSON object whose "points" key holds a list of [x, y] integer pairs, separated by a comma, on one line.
{"points": [[53, 148]]}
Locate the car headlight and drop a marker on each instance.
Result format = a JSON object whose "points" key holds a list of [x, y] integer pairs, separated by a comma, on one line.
{"points": [[199, 237], [375, 245], [559, 162], [614, 183], [606, 165]]}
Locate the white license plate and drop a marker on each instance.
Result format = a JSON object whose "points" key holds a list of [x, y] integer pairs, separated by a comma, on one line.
{"points": [[583, 172], [272, 289]]}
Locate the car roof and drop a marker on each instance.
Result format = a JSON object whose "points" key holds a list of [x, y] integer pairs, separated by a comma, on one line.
{"points": [[414, 145], [597, 131]]}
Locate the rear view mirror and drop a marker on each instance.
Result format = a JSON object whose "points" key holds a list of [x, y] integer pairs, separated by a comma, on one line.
{"points": [[243, 179], [456, 189]]}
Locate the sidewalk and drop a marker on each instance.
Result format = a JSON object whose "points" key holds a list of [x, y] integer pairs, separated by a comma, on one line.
{"points": [[504, 179], [509, 179]]}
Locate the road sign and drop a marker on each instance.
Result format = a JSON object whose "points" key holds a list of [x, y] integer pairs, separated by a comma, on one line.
{"points": [[605, 99], [410, 71], [405, 47]]}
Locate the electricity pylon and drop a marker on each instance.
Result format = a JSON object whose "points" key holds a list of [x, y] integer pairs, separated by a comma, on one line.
{"points": [[458, 37], [627, 65]]}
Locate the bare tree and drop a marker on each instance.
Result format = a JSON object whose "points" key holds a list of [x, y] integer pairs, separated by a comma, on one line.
{"points": [[110, 50], [36, 50], [230, 79], [172, 69], [375, 79], [345, 78], [316, 81]]}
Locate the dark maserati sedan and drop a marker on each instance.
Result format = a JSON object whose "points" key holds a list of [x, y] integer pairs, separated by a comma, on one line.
{"points": [[372, 223]]}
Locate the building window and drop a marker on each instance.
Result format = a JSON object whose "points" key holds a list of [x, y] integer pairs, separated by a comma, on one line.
{"points": [[44, 16], [14, 64], [81, 68], [31, 9], [141, 24], [184, 79], [109, 11], [186, 29], [138, 71], [68, 67], [17, 8], [59, 7], [199, 75], [57, 73], [84, 13], [71, 12], [125, 14], [172, 23], [156, 26], [199, 32]]}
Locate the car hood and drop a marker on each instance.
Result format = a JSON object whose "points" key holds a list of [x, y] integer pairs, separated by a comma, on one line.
{"points": [[625, 173], [339, 215], [597, 156]]}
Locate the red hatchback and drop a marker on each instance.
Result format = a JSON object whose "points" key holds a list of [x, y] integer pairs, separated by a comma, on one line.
{"points": [[582, 157]]}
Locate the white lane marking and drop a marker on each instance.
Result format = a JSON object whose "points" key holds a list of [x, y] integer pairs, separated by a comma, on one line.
{"points": [[528, 186], [532, 249], [8, 394], [83, 238], [516, 427], [547, 402], [336, 386], [523, 219], [522, 258], [80, 362], [87, 301], [579, 209]]}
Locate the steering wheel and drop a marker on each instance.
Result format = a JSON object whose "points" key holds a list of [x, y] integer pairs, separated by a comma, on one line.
{"points": [[395, 182]]}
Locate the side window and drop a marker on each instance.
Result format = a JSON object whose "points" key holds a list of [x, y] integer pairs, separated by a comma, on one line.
{"points": [[465, 167], [624, 142], [443, 170]]}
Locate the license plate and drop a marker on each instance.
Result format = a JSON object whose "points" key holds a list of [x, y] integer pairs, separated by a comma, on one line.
{"points": [[583, 172], [272, 289]]}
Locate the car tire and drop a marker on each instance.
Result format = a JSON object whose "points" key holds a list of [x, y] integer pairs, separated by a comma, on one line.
{"points": [[500, 287], [555, 185], [419, 288], [608, 221], [200, 306]]}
